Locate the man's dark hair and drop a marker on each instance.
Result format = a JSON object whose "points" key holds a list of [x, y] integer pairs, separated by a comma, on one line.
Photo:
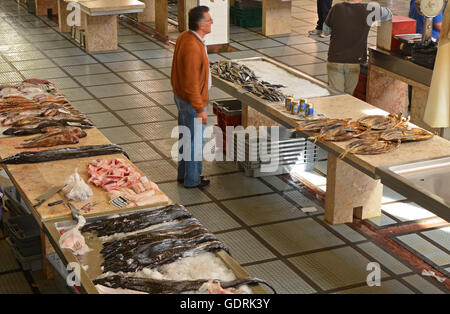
{"points": [[195, 16]]}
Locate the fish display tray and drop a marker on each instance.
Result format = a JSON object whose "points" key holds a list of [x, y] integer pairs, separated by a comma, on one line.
{"points": [[94, 259]]}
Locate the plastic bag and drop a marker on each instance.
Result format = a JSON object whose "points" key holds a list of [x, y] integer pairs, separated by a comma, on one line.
{"points": [[74, 240], [76, 189]]}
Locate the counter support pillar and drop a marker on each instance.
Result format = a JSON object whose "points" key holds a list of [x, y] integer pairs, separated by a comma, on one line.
{"points": [[101, 32], [350, 193], [276, 17], [148, 15]]}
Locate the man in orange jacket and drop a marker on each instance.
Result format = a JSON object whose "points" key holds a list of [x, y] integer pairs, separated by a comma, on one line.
{"points": [[191, 81]]}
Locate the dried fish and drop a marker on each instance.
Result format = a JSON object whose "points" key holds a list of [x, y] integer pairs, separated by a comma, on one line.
{"points": [[379, 122], [29, 157], [171, 286], [365, 147], [61, 136], [405, 135], [316, 125]]}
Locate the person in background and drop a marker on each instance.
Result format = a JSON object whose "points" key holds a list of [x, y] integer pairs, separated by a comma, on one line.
{"points": [[323, 7], [349, 24], [191, 81], [437, 21]]}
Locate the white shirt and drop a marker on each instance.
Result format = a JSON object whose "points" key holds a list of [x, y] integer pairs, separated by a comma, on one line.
{"points": [[206, 50]]}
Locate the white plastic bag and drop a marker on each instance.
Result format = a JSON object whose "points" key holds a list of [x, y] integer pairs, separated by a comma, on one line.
{"points": [[74, 240], [76, 189]]}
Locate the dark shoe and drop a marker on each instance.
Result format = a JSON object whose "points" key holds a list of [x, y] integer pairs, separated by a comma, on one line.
{"points": [[202, 184], [182, 180]]}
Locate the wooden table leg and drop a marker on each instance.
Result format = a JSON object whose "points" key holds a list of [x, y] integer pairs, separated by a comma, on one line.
{"points": [[148, 15], [62, 17], [161, 17], [46, 248], [276, 17], [43, 5], [101, 32], [350, 193]]}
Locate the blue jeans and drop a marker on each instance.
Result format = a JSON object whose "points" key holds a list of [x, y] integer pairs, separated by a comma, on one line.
{"points": [[190, 166]]}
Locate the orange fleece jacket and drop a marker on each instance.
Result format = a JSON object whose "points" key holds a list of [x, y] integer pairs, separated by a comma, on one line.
{"points": [[190, 71]]}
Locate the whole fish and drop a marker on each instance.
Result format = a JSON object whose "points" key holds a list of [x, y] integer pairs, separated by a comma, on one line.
{"points": [[365, 147], [63, 153], [166, 257], [53, 140], [405, 135], [136, 221], [171, 286]]}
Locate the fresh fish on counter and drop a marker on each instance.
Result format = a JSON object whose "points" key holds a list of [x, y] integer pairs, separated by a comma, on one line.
{"points": [[246, 78], [145, 258], [29, 157], [136, 221], [149, 285], [44, 127], [62, 136]]}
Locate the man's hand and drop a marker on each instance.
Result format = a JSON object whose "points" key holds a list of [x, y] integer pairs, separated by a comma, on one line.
{"points": [[204, 116]]}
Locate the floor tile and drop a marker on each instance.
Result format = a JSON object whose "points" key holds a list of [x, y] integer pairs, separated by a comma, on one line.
{"points": [[160, 62], [74, 60], [279, 51], [158, 170], [104, 120], [154, 53], [283, 279], [180, 195], [213, 217], [10, 77], [407, 211], [390, 286], [65, 52], [244, 247], [62, 83], [240, 54], [167, 71], [34, 64], [298, 59], [44, 73], [426, 249], [215, 57], [154, 86], [142, 115], [312, 47], [382, 221], [261, 43], [121, 135], [422, 284], [301, 199], [115, 57], [263, 209], [346, 231], [75, 94], [313, 69], [163, 98], [49, 45], [385, 259], [98, 79], [14, 283], [224, 187], [146, 75], [141, 152], [45, 37], [167, 148], [24, 56], [238, 46], [218, 167], [112, 90], [278, 183], [441, 236], [157, 130], [128, 66], [296, 40], [127, 102], [140, 46], [335, 268], [89, 106], [131, 39], [216, 93], [390, 195], [88, 69], [298, 236]]}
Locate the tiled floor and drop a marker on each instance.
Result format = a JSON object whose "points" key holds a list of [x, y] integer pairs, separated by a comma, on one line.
{"points": [[127, 93]]}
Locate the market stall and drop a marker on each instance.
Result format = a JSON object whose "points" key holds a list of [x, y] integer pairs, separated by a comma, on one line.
{"points": [[353, 184]]}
